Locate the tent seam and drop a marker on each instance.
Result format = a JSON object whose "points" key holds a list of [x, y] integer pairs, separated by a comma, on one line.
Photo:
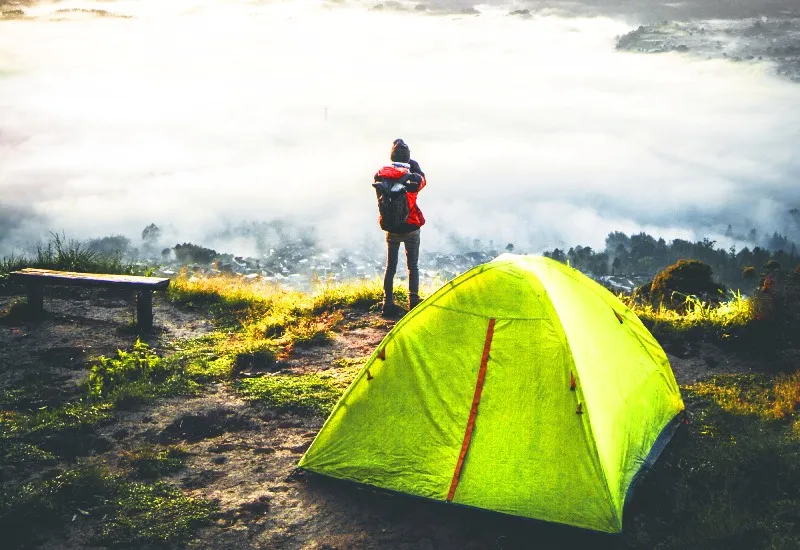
{"points": [[587, 411]]}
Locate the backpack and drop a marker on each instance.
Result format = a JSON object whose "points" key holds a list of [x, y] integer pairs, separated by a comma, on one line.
{"points": [[392, 205]]}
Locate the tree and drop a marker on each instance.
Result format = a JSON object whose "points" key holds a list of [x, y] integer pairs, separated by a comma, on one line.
{"points": [[151, 233], [615, 239], [642, 246], [557, 255]]}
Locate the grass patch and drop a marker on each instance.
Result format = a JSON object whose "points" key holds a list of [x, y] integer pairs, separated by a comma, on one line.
{"points": [[307, 394], [204, 359], [69, 255], [264, 322], [70, 416], [122, 512], [768, 397], [361, 295], [14, 452], [732, 478], [65, 431]]}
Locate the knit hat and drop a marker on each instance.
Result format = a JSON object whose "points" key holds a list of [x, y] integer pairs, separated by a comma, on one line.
{"points": [[400, 151]]}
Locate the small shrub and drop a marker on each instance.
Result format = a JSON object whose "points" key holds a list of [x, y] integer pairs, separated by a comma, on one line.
{"points": [[776, 305], [686, 278], [135, 375], [749, 273], [114, 245], [772, 265], [188, 253]]}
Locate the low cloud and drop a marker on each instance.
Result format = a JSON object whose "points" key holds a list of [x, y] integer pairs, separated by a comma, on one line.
{"points": [[531, 131]]}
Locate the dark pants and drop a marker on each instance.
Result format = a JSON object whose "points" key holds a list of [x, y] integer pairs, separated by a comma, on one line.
{"points": [[411, 242]]}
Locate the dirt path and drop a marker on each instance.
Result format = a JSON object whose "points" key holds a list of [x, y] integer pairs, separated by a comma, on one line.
{"points": [[244, 457]]}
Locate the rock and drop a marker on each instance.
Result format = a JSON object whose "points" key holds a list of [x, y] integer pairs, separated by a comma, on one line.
{"points": [[264, 450], [219, 459]]}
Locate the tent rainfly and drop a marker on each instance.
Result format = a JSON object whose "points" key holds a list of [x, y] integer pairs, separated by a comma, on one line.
{"points": [[521, 386]]}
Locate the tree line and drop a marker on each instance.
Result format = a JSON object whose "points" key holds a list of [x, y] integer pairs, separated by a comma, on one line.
{"points": [[643, 255]]}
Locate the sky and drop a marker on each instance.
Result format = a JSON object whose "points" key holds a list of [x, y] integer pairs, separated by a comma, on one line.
{"points": [[201, 115]]}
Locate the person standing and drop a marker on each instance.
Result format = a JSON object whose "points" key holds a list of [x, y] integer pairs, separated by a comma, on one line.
{"points": [[397, 185]]}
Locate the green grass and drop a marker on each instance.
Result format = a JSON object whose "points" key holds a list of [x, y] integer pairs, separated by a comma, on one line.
{"points": [[14, 453], [312, 394], [124, 513], [66, 431]]}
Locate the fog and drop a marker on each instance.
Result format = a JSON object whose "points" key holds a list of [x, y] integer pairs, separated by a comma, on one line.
{"points": [[201, 115]]}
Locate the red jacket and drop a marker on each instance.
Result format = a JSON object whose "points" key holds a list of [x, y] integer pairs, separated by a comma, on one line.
{"points": [[397, 171]]}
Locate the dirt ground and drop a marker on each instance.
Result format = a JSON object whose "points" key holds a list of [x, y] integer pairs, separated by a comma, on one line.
{"points": [[245, 457]]}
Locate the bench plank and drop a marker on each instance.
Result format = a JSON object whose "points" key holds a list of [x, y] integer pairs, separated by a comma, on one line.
{"points": [[49, 276], [35, 279]]}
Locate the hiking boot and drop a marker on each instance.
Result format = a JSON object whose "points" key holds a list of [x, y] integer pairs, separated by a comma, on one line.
{"points": [[392, 310], [413, 301]]}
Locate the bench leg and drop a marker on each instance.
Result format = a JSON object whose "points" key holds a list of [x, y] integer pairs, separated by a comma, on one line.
{"points": [[144, 310], [35, 298]]}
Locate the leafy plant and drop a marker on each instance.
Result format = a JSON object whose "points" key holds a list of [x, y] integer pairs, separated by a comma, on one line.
{"points": [[135, 375]]}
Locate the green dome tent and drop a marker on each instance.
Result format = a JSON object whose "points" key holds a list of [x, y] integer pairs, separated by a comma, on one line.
{"points": [[521, 386]]}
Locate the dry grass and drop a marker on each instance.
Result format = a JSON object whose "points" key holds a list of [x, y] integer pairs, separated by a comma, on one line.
{"points": [[768, 398], [736, 312]]}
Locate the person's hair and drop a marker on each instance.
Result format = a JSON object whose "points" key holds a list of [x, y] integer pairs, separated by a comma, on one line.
{"points": [[400, 151]]}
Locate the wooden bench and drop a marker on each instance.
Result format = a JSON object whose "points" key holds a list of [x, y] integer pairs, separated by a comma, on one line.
{"points": [[36, 279]]}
